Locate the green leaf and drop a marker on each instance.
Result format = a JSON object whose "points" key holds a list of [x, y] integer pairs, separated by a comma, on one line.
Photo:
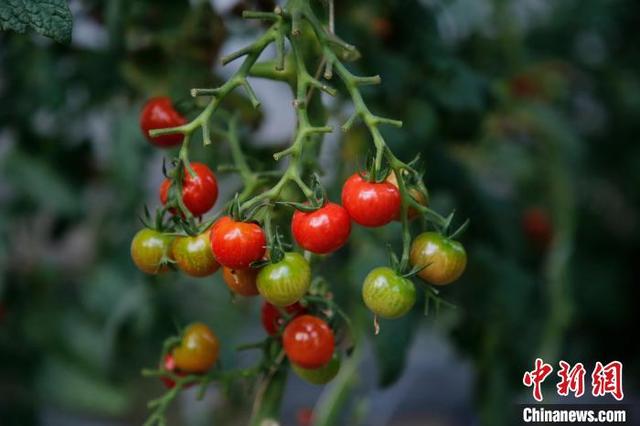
{"points": [[51, 18]]}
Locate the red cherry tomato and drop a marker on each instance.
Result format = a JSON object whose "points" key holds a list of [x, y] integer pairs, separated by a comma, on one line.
{"points": [[169, 364], [199, 193], [537, 226], [322, 231], [308, 341], [159, 113], [237, 244], [271, 318], [369, 203]]}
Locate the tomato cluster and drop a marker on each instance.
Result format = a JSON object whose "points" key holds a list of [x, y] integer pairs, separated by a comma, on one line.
{"points": [[254, 261]]}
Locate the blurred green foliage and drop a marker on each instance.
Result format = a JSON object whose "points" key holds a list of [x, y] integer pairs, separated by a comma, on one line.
{"points": [[511, 107]]}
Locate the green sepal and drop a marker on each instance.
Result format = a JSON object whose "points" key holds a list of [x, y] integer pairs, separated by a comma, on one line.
{"points": [[461, 229], [415, 271]]}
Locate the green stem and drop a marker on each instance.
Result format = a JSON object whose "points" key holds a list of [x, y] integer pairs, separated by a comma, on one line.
{"points": [[239, 160], [269, 395], [405, 198], [239, 78]]}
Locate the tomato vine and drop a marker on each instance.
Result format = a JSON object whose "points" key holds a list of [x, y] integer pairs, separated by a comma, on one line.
{"points": [[311, 45]]}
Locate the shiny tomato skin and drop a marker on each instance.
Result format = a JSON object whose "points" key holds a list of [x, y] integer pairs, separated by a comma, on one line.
{"points": [[370, 204], [321, 375], [271, 318], [237, 244], [444, 259], [241, 281], [193, 255], [387, 294], [198, 351], [322, 231], [159, 113], [285, 282], [308, 341], [199, 193], [150, 250], [415, 193]]}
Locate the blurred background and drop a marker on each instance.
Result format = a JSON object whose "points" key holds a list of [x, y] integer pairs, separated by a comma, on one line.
{"points": [[526, 113]]}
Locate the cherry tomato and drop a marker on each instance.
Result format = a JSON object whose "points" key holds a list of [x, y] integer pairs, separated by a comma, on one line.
{"points": [[368, 203], [537, 226], [169, 364], [321, 375], [199, 193], [198, 350], [285, 282], [322, 231], [387, 294], [417, 195], [444, 259], [241, 281], [150, 251], [271, 318], [308, 341], [159, 113], [237, 244], [193, 255]]}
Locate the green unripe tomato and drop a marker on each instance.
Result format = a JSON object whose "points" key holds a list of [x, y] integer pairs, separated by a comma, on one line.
{"points": [[444, 260], [284, 283], [387, 294], [150, 250], [193, 255], [319, 376]]}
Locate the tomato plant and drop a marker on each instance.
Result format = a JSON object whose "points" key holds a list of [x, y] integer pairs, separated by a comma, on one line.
{"points": [[308, 341], [247, 237]]}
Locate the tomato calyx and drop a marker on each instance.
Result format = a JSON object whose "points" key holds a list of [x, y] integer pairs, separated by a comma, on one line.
{"points": [[372, 173], [237, 213], [157, 223]]}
